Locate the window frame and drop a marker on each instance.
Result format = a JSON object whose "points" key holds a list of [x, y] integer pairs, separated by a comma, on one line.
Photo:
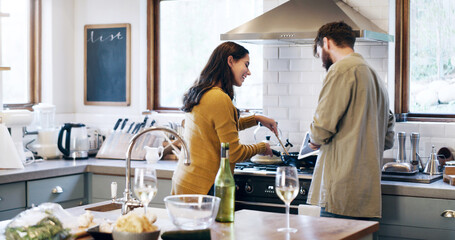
{"points": [[35, 58], [402, 82]]}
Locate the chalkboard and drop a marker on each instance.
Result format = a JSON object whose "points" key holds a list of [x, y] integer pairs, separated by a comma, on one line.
{"points": [[107, 64]]}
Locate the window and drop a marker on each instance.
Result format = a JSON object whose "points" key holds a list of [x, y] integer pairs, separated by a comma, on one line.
{"points": [[185, 34], [20, 52], [425, 88]]}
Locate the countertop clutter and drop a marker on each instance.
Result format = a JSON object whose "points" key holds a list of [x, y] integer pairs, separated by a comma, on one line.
{"points": [[250, 224]]}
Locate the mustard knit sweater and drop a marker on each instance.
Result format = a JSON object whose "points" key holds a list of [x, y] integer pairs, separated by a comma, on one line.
{"points": [[213, 121]]}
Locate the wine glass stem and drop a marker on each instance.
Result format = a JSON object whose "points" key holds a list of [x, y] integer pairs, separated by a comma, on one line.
{"points": [[287, 215], [145, 209]]}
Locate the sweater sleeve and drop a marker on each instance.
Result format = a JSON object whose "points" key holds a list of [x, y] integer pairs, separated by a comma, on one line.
{"points": [[225, 124], [247, 122]]}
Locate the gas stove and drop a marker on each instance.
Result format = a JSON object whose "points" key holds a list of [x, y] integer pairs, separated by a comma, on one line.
{"points": [[255, 187]]}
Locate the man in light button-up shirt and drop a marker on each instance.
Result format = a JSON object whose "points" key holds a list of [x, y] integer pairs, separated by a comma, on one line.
{"points": [[352, 126]]}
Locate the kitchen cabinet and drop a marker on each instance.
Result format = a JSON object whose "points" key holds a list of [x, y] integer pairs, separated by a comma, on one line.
{"points": [[100, 189], [68, 191], [416, 218], [12, 199]]}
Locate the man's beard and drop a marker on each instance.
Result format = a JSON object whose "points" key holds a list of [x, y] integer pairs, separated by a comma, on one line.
{"points": [[326, 60]]}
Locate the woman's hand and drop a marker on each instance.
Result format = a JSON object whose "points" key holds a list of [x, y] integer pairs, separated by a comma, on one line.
{"points": [[268, 123], [268, 150]]}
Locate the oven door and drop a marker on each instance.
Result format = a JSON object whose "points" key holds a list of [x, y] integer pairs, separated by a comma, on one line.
{"points": [[258, 193]]}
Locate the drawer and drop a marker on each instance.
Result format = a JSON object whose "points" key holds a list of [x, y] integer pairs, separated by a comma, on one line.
{"points": [[6, 215], [12, 195], [46, 190], [417, 212]]}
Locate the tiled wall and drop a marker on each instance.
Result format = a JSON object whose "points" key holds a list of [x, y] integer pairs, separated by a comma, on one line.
{"points": [[292, 82]]}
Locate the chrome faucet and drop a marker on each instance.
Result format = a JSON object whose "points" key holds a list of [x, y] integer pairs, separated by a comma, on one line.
{"points": [[128, 201]]}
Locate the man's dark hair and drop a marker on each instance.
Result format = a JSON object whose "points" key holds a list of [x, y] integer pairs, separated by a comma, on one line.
{"points": [[341, 33]]}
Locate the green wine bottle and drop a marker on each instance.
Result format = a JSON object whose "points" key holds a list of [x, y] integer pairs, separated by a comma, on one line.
{"points": [[225, 187]]}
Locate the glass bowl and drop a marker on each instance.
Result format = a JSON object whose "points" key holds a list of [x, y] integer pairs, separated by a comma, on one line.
{"points": [[192, 211]]}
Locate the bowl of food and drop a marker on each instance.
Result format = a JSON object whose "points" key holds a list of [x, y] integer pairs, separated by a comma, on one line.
{"points": [[192, 211], [133, 226]]}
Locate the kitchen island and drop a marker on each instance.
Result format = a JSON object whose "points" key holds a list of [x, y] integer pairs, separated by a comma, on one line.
{"points": [[410, 210], [252, 225]]}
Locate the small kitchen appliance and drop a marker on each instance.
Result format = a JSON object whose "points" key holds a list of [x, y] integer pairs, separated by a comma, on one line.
{"points": [[15, 121], [76, 144], [44, 121]]}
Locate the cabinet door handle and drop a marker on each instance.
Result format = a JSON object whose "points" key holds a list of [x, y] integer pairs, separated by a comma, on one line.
{"points": [[57, 190], [448, 214]]}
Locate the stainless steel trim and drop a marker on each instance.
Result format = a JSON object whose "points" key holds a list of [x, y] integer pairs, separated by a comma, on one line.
{"points": [[266, 204]]}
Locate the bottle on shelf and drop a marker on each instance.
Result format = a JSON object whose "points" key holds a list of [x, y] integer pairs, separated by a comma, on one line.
{"points": [[225, 187]]}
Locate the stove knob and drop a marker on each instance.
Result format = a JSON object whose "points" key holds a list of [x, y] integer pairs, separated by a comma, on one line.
{"points": [[237, 187], [248, 188], [302, 191]]}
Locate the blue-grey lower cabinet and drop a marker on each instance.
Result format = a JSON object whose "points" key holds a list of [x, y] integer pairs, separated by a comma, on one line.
{"points": [[12, 199], [68, 191], [100, 189], [406, 217]]}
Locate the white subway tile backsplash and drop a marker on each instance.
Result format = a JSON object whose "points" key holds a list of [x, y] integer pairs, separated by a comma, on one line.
{"points": [[300, 89], [432, 129], [289, 125], [289, 101], [277, 89], [278, 113], [270, 53], [278, 65], [289, 77], [301, 114], [301, 64], [307, 51], [450, 130], [270, 77], [270, 101], [289, 52], [308, 101], [313, 77]]}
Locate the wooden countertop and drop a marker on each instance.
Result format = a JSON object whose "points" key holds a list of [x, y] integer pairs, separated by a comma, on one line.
{"points": [[255, 225]]}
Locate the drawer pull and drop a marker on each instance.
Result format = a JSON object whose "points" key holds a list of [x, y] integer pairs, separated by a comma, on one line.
{"points": [[448, 214], [57, 190]]}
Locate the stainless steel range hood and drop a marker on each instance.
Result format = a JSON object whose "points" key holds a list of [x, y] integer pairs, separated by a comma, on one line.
{"points": [[298, 21]]}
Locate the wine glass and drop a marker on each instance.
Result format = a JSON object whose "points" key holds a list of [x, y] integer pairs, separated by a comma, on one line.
{"points": [[145, 185], [287, 187]]}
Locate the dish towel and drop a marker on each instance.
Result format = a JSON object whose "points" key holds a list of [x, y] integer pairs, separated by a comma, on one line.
{"points": [[309, 210]]}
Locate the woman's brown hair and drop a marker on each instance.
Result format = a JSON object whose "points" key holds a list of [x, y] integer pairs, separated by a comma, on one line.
{"points": [[215, 71]]}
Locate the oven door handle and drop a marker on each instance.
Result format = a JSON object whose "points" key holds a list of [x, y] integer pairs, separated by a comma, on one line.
{"points": [[266, 204]]}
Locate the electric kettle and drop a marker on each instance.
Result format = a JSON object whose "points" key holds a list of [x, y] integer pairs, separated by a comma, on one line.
{"points": [[76, 144]]}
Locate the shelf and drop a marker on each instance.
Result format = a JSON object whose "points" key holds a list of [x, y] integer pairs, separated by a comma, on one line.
{"points": [[4, 14], [4, 68]]}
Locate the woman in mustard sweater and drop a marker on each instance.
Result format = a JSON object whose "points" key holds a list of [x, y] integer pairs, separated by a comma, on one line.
{"points": [[211, 118]]}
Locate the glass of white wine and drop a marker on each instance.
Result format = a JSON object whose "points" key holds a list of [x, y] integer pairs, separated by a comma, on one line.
{"points": [[145, 185], [287, 187]]}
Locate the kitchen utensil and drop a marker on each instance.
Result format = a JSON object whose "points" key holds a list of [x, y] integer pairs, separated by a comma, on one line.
{"points": [[279, 140], [399, 165], [401, 157], [76, 141], [444, 155], [153, 154], [432, 166], [192, 211], [292, 160], [414, 157]]}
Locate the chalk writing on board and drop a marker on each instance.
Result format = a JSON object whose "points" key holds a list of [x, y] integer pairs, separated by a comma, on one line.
{"points": [[107, 64]]}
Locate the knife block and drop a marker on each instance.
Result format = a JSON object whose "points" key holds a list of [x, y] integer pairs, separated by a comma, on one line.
{"points": [[116, 146]]}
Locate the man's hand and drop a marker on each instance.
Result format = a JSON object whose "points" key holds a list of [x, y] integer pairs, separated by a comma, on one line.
{"points": [[314, 146]]}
